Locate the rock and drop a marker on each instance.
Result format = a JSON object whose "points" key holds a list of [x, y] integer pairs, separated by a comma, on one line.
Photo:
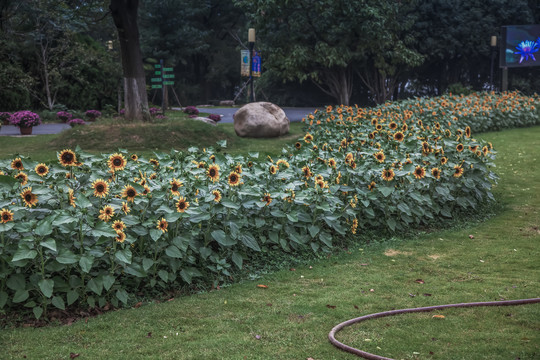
{"points": [[226, 103], [206, 120], [260, 119]]}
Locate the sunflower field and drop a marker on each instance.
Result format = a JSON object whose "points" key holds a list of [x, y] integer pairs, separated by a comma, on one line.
{"points": [[92, 230]]}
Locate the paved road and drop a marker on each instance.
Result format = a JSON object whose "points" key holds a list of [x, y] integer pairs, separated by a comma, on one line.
{"points": [[294, 115]]}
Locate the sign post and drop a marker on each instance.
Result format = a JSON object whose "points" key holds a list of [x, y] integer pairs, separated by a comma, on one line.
{"points": [[161, 81]]}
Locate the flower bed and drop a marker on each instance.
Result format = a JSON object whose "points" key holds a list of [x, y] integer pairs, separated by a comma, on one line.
{"points": [[96, 229]]}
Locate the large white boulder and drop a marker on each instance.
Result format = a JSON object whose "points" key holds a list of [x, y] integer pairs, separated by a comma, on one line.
{"points": [[260, 119]]}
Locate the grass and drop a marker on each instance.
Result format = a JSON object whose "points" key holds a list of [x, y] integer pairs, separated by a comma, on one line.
{"points": [[292, 317], [178, 132]]}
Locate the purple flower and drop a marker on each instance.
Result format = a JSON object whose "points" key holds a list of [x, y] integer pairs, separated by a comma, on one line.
{"points": [[75, 122], [161, 117], [93, 114], [154, 111], [64, 115], [4, 116], [122, 112], [525, 49], [214, 117], [191, 110], [25, 119]]}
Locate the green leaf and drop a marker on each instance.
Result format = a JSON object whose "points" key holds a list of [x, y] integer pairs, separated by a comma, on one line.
{"points": [[16, 282], [189, 273], [205, 252], [237, 260], [49, 244], [67, 257], [38, 311], [229, 204], [386, 190], [108, 281], [222, 238], [3, 299], [250, 242], [315, 246], [58, 302], [8, 181], [24, 253], [292, 217], [103, 229], [326, 238], [95, 285], [86, 263], [122, 295], [404, 208], [72, 296], [20, 296], [82, 202], [63, 220], [123, 255], [44, 228], [6, 227], [147, 263], [46, 286], [163, 275], [136, 270], [155, 234], [391, 222], [174, 252], [313, 230]]}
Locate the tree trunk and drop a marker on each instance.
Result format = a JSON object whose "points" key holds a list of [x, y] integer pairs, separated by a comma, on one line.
{"points": [[338, 84], [124, 13]]}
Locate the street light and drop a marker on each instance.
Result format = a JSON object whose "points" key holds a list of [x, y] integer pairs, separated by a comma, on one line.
{"points": [[251, 41], [493, 49]]}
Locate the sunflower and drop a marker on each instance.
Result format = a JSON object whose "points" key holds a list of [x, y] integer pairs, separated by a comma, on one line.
{"points": [[473, 148], [17, 164], [71, 198], [272, 169], [267, 198], [129, 193], [125, 208], [250, 164], [392, 125], [419, 172], [134, 157], [213, 172], [425, 147], [379, 127], [117, 162], [67, 158], [217, 195], [444, 160], [321, 184], [120, 236], [182, 204], [297, 145], [398, 136], [201, 165], [101, 188], [106, 213], [154, 162], [332, 162], [485, 150], [460, 147], [458, 171], [468, 131], [436, 173], [372, 186], [388, 174], [379, 156], [162, 225], [5, 216], [30, 199], [22, 177], [404, 128], [234, 179], [175, 185], [308, 138], [307, 172], [238, 168], [213, 158], [41, 169], [354, 226], [282, 162], [118, 226]]}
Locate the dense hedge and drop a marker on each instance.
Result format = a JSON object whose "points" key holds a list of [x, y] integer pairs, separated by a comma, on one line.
{"points": [[94, 229]]}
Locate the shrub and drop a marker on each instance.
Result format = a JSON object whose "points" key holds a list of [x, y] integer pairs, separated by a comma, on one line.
{"points": [[63, 116], [25, 119], [75, 122], [191, 110], [92, 114], [214, 117]]}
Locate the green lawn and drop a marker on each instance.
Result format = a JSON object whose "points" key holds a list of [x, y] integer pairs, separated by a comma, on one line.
{"points": [[474, 261]]}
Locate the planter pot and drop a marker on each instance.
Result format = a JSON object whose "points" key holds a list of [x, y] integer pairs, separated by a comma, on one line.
{"points": [[26, 130]]}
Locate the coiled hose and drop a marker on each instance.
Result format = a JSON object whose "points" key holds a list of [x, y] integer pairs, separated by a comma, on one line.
{"points": [[366, 355]]}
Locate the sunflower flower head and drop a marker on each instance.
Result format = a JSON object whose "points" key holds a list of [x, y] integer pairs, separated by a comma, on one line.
{"points": [[117, 162], [67, 158], [175, 186], [30, 199], [17, 164], [101, 188], [213, 172], [162, 225], [118, 226], [234, 179], [106, 213], [182, 205], [5, 216], [267, 198], [217, 195], [41, 169]]}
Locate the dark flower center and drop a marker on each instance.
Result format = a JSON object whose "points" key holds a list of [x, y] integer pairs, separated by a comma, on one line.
{"points": [[67, 157], [131, 193], [117, 162], [100, 188]]}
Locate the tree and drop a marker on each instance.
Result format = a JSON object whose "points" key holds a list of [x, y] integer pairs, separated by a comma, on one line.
{"points": [[124, 13], [327, 41]]}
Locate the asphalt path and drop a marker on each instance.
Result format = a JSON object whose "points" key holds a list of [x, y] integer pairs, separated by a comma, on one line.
{"points": [[294, 115]]}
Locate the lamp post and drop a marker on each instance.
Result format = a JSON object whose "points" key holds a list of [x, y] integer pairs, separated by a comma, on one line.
{"points": [[251, 41], [493, 48]]}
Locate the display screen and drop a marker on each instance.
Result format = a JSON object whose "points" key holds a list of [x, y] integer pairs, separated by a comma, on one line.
{"points": [[520, 46]]}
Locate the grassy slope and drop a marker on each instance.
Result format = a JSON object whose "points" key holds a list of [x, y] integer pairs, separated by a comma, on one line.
{"points": [[292, 317]]}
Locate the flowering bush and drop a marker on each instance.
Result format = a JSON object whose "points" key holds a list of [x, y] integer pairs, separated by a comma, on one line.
{"points": [[191, 110], [75, 122], [95, 229], [25, 119], [64, 116], [214, 117], [92, 114], [154, 111], [4, 117]]}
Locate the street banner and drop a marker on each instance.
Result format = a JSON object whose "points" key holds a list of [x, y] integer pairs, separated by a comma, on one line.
{"points": [[256, 65], [244, 65]]}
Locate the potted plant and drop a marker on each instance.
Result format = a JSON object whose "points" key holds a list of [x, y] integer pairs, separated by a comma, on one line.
{"points": [[75, 122], [92, 115], [25, 120], [4, 118], [64, 116]]}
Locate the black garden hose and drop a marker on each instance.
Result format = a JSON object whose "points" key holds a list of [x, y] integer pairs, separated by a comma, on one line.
{"points": [[366, 355]]}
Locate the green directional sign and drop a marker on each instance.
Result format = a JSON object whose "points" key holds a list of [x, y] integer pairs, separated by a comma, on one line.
{"points": [[157, 72], [156, 86], [168, 83], [167, 76], [156, 79], [167, 69], [157, 66]]}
